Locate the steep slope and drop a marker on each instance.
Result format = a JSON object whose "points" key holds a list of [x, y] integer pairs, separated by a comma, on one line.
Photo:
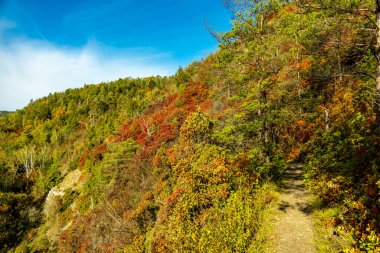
{"points": [[185, 163]]}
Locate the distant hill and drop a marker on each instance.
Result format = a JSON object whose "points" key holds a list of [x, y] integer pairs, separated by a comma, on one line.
{"points": [[3, 113]]}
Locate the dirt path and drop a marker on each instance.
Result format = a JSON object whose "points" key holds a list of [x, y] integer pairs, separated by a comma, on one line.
{"points": [[293, 229]]}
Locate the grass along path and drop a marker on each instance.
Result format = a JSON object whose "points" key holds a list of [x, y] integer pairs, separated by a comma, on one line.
{"points": [[293, 228]]}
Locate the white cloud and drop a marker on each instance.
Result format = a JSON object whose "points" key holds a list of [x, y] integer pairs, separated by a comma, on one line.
{"points": [[30, 69]]}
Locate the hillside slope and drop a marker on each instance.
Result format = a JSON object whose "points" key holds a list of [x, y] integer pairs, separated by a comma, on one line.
{"points": [[3, 113], [186, 163]]}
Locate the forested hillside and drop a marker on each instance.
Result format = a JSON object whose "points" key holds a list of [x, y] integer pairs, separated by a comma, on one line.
{"points": [[3, 113], [188, 163]]}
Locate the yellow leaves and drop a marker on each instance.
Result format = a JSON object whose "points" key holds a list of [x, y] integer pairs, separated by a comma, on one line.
{"points": [[2, 154], [161, 247], [217, 169], [341, 230], [342, 103], [357, 205], [368, 240], [4, 207], [352, 250], [59, 112], [194, 237], [196, 127]]}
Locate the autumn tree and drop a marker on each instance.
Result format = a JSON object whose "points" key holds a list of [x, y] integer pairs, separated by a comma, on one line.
{"points": [[364, 19]]}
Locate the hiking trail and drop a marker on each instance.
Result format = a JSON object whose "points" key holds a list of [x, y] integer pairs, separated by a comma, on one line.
{"points": [[293, 228]]}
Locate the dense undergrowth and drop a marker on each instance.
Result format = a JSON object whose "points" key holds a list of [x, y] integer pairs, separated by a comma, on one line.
{"points": [[182, 163]]}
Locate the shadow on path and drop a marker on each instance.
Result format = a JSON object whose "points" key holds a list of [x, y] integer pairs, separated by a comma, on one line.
{"points": [[294, 227], [292, 185]]}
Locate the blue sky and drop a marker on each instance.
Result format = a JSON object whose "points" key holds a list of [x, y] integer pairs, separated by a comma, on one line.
{"points": [[48, 46]]}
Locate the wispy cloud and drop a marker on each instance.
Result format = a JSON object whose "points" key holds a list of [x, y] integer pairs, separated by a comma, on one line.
{"points": [[30, 69]]}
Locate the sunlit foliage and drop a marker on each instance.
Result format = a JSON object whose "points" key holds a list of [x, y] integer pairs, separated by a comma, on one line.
{"points": [[182, 163]]}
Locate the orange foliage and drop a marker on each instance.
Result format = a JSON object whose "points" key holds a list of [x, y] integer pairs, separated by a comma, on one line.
{"points": [[174, 196], [285, 47], [59, 112], [300, 123], [83, 247], [19, 131], [161, 246], [83, 158], [342, 104], [290, 8], [209, 61], [170, 154], [206, 105], [271, 17], [301, 131], [99, 151], [304, 83], [305, 64], [294, 153], [81, 126]]}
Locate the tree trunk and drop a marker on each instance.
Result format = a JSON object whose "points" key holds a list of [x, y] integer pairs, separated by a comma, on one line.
{"points": [[377, 91]]}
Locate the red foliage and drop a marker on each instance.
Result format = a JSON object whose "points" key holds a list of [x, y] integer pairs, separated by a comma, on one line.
{"points": [[169, 101], [194, 95], [81, 126], [83, 158], [20, 130], [128, 130], [95, 153], [162, 121], [99, 151], [206, 105]]}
